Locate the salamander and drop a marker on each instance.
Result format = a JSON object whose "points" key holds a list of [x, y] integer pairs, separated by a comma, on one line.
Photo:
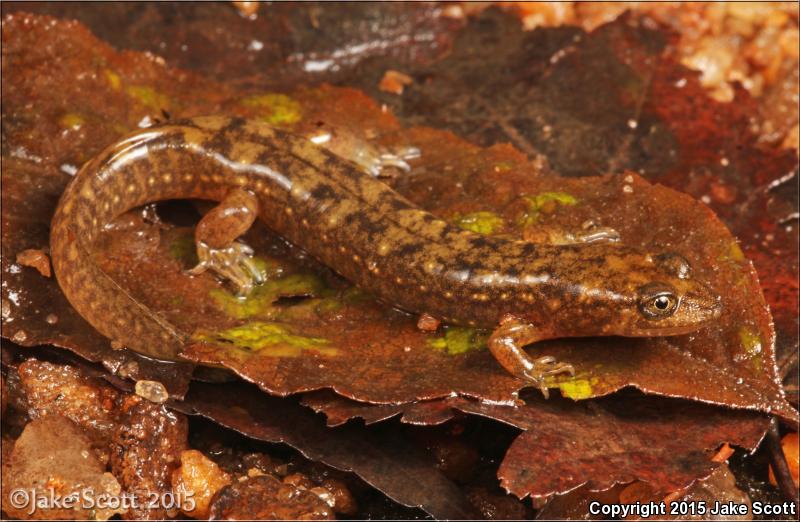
{"points": [[368, 233]]}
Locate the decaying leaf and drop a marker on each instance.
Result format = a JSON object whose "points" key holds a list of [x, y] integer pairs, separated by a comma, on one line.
{"points": [[339, 333], [36, 170], [285, 45], [381, 458], [660, 441], [665, 442], [612, 101]]}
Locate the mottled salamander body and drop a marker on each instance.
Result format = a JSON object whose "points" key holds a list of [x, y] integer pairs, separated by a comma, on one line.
{"points": [[369, 234]]}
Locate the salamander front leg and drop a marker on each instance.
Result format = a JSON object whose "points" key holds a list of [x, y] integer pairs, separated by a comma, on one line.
{"points": [[217, 248], [506, 344]]}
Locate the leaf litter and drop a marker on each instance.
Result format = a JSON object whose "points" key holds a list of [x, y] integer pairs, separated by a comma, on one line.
{"points": [[492, 186]]}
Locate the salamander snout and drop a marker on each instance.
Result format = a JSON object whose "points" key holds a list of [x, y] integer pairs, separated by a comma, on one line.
{"points": [[675, 307], [702, 303]]}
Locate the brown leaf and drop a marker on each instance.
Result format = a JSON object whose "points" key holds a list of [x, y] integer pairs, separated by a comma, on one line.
{"points": [[612, 100], [36, 170], [281, 347], [285, 45], [338, 410], [668, 443], [381, 458]]}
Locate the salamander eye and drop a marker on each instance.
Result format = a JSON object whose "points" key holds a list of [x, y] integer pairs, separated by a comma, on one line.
{"points": [[657, 300]]}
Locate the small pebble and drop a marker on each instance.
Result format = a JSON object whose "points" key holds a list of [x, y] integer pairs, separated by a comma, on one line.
{"points": [[153, 391]]}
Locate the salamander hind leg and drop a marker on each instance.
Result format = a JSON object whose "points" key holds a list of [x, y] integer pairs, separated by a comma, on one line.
{"points": [[217, 248], [506, 344]]}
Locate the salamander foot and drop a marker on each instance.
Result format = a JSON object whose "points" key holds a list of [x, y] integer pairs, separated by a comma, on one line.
{"points": [[593, 233], [217, 248], [544, 367], [233, 263], [358, 148], [506, 344], [374, 163]]}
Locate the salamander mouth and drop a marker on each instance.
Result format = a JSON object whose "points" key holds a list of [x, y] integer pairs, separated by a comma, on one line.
{"points": [[666, 331]]}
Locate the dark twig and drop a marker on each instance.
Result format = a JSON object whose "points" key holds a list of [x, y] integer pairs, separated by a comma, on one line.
{"points": [[779, 465], [788, 363]]}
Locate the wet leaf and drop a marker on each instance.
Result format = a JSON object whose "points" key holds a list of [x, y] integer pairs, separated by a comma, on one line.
{"points": [[664, 442], [613, 100], [338, 410], [328, 335], [383, 459], [581, 99], [283, 45], [609, 101], [719, 488], [37, 165], [668, 443], [733, 354]]}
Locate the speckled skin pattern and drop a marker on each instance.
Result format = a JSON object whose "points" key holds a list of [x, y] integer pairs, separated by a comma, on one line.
{"points": [[365, 231]]}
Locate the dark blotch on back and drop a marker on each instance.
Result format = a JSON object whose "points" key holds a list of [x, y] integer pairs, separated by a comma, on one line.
{"points": [[409, 249], [479, 242], [322, 192]]}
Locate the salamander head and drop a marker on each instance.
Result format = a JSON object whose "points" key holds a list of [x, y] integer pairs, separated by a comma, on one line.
{"points": [[663, 299]]}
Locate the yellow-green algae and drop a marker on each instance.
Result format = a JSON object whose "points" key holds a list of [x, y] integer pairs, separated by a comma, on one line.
{"points": [[733, 253], [544, 203], [503, 166], [457, 340], [72, 121], [274, 108], [482, 222], [271, 339], [575, 388], [260, 300], [113, 79], [751, 342], [148, 97]]}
